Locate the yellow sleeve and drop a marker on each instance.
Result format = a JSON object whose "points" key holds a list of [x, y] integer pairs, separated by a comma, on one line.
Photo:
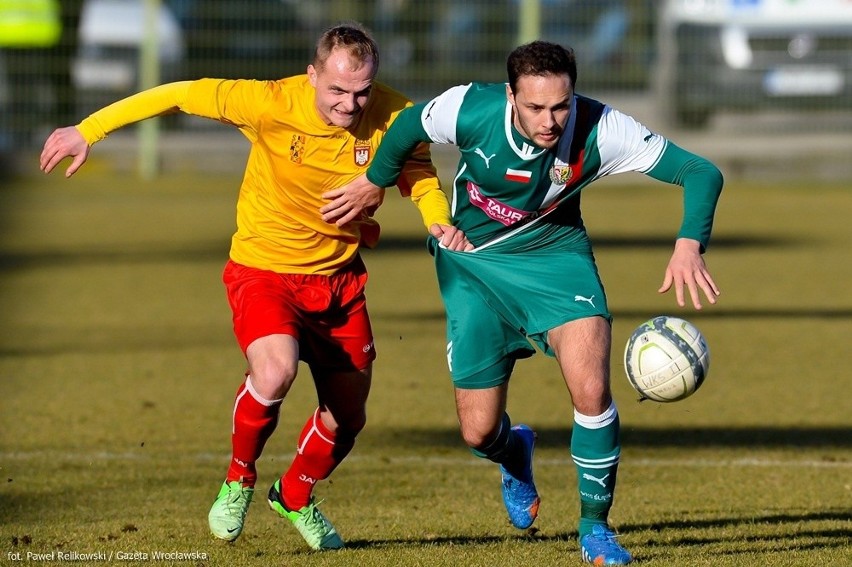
{"points": [[163, 99], [433, 207], [419, 180]]}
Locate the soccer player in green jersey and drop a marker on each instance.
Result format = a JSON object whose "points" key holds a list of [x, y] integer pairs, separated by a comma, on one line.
{"points": [[527, 150]]}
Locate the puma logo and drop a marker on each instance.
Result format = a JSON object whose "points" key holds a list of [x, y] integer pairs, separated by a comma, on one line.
{"points": [[481, 154], [590, 300], [600, 480]]}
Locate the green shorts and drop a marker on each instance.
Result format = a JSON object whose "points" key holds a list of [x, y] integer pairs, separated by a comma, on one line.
{"points": [[497, 303]]}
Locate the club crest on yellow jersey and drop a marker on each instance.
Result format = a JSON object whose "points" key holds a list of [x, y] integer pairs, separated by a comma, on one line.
{"points": [[362, 152], [297, 148]]}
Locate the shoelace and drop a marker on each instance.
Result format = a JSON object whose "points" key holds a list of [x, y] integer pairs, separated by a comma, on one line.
{"points": [[514, 484], [235, 500], [315, 522], [608, 538]]}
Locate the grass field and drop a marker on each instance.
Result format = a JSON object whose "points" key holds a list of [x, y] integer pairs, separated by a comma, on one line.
{"points": [[118, 367]]}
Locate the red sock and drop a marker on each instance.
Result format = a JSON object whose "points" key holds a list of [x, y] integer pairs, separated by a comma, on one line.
{"points": [[317, 455], [254, 421]]}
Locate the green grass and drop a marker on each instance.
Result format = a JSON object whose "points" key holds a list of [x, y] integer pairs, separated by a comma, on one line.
{"points": [[118, 368]]}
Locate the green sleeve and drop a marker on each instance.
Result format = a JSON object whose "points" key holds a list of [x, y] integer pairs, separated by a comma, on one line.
{"points": [[702, 184], [398, 143]]}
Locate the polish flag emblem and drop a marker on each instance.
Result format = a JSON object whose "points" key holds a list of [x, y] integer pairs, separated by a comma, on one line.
{"points": [[518, 175]]}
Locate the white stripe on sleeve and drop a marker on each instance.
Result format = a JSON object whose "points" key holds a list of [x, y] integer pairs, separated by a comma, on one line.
{"points": [[440, 115]]}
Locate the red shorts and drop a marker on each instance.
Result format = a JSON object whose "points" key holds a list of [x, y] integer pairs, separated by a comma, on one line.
{"points": [[326, 314]]}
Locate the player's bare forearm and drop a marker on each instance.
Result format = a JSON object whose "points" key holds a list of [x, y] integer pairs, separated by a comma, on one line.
{"points": [[451, 237], [687, 269], [63, 143], [348, 202]]}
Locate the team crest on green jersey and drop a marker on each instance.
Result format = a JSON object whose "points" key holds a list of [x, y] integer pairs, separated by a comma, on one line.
{"points": [[561, 174]]}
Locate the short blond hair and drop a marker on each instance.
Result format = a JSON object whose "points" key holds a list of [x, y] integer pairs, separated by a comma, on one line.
{"points": [[351, 36]]}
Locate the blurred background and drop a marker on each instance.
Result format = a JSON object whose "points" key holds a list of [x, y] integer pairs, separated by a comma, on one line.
{"points": [[754, 84]]}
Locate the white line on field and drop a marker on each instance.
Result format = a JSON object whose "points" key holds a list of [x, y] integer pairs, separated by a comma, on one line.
{"points": [[146, 455]]}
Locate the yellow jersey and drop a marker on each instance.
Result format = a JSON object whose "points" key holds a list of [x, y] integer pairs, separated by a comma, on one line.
{"points": [[295, 157]]}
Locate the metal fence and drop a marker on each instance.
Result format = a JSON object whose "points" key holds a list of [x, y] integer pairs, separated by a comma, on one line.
{"points": [[688, 59]]}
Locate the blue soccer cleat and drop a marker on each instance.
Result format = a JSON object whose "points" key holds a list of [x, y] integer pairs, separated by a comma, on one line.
{"points": [[519, 494], [600, 548]]}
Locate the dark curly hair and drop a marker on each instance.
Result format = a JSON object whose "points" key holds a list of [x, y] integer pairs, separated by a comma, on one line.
{"points": [[539, 58]]}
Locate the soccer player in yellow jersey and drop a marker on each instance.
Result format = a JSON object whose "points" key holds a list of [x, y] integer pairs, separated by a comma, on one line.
{"points": [[295, 283]]}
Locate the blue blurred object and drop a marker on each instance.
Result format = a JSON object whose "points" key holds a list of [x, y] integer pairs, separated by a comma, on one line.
{"points": [[597, 31]]}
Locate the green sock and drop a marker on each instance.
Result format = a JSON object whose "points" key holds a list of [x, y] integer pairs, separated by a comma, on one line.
{"points": [[595, 449]]}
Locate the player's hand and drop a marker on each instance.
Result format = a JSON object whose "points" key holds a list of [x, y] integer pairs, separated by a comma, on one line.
{"points": [[63, 143], [687, 269], [348, 202], [451, 237]]}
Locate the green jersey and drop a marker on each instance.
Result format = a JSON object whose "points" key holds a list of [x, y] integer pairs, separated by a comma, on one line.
{"points": [[532, 268], [509, 193]]}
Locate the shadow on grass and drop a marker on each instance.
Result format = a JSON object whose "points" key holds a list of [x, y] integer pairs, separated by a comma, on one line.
{"points": [[136, 338], [130, 340], [136, 253], [468, 541], [132, 254], [781, 532], [765, 437], [729, 241], [789, 524], [707, 314], [777, 519]]}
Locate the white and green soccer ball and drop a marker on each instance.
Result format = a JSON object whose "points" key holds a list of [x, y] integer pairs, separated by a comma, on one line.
{"points": [[666, 359]]}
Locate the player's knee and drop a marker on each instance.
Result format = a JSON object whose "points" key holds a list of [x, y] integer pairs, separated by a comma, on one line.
{"points": [[593, 399], [273, 378], [345, 424], [352, 426], [478, 440], [478, 449]]}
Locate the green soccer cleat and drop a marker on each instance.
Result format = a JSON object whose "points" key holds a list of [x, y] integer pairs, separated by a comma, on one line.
{"points": [[311, 523], [228, 512]]}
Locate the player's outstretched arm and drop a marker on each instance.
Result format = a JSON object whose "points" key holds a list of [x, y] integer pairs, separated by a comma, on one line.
{"points": [[63, 143], [76, 141], [349, 201], [451, 237], [687, 269]]}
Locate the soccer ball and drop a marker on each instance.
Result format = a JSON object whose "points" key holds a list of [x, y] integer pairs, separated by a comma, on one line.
{"points": [[666, 359]]}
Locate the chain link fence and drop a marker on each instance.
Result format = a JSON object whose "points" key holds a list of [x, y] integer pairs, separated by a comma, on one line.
{"points": [[690, 58]]}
